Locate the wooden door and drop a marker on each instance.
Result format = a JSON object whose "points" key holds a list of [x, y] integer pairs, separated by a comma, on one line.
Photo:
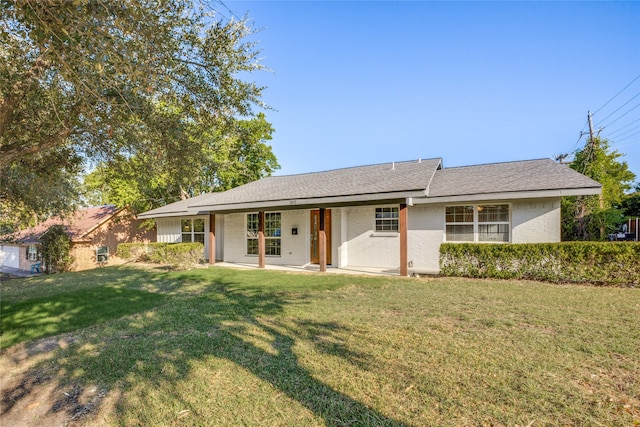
{"points": [[315, 228]]}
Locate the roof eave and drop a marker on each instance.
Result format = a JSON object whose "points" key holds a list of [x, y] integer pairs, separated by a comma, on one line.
{"points": [[152, 214], [511, 195], [336, 201]]}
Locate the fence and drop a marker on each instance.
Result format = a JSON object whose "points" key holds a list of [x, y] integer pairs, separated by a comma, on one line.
{"points": [[633, 228]]}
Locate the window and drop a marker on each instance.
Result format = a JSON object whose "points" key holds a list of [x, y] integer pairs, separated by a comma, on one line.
{"points": [[480, 223], [459, 223], [386, 219], [272, 233], [493, 223], [193, 230], [32, 253], [252, 234], [102, 254]]}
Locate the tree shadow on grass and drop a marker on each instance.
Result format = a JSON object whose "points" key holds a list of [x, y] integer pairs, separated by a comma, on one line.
{"points": [[47, 316], [227, 321]]}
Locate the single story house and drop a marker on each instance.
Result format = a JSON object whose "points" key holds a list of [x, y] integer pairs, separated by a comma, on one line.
{"points": [[94, 232], [392, 216]]}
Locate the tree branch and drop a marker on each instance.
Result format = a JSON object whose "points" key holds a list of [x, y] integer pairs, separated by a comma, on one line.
{"points": [[11, 152], [21, 88]]}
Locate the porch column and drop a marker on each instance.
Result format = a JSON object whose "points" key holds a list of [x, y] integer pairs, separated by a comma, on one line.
{"points": [[322, 242], [261, 249], [403, 240], [212, 239]]}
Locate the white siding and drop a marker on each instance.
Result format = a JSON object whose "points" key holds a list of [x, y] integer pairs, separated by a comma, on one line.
{"points": [[424, 236], [367, 248], [294, 249], [341, 239], [219, 237], [169, 230], [536, 221], [356, 244]]}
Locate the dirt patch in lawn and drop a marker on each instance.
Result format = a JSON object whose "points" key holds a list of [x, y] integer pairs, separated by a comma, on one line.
{"points": [[31, 393]]}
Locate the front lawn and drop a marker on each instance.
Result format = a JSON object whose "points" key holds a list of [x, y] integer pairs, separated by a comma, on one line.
{"points": [[127, 346]]}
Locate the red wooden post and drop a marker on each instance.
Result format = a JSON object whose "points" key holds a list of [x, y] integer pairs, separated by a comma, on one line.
{"points": [[212, 239], [322, 242], [403, 240], [261, 249]]}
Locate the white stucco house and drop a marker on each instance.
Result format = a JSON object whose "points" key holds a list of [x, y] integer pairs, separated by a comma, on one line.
{"points": [[391, 216]]}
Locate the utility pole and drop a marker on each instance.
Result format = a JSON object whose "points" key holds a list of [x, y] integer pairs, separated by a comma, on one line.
{"points": [[589, 115]]}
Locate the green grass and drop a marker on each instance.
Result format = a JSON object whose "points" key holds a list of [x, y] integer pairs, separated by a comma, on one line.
{"points": [[228, 347], [47, 316]]}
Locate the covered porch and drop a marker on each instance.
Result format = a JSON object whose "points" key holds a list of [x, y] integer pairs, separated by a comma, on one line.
{"points": [[319, 243]]}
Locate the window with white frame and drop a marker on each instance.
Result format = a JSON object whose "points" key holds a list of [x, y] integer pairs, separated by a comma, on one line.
{"points": [[477, 223], [387, 219], [192, 230], [32, 253], [272, 233], [102, 254], [459, 223]]}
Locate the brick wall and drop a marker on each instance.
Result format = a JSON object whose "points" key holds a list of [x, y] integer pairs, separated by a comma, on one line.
{"points": [[121, 229], [536, 221]]}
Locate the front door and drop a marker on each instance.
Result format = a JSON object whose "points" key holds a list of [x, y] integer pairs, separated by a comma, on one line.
{"points": [[315, 228]]}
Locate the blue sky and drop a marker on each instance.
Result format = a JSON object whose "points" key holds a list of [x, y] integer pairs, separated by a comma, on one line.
{"points": [[358, 83]]}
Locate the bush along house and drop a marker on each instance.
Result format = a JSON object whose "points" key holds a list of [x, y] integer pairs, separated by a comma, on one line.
{"points": [[391, 216], [94, 233]]}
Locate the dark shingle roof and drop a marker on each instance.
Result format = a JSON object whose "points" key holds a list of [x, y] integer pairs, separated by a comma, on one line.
{"points": [[526, 175], [419, 179], [361, 180], [373, 179]]}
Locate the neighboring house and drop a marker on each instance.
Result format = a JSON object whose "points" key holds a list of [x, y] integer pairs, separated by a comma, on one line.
{"points": [[391, 216], [94, 232]]}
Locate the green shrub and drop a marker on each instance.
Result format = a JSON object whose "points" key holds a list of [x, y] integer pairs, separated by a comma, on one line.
{"points": [[133, 251], [602, 263], [56, 246], [179, 256]]}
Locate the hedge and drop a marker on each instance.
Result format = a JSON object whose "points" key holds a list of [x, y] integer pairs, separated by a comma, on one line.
{"points": [[177, 255], [601, 263]]}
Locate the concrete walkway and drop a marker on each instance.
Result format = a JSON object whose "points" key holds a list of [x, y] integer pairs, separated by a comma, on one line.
{"points": [[12, 273], [311, 268]]}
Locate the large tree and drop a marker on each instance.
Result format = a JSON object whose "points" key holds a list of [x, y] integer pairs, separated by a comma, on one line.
{"points": [[592, 217], [631, 203], [89, 81], [215, 159]]}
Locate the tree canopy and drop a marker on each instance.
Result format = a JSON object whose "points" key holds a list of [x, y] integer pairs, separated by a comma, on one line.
{"points": [[592, 217], [215, 159], [95, 82], [631, 203]]}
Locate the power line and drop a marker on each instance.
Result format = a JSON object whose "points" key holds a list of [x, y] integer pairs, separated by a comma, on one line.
{"points": [[627, 137], [614, 96], [580, 136], [620, 107], [626, 131], [623, 127], [627, 112]]}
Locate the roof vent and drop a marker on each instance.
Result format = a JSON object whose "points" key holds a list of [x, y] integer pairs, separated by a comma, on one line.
{"points": [[393, 166], [419, 160]]}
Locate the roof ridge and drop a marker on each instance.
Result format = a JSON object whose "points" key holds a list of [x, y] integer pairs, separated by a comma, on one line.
{"points": [[416, 161], [102, 221], [496, 163], [440, 166]]}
